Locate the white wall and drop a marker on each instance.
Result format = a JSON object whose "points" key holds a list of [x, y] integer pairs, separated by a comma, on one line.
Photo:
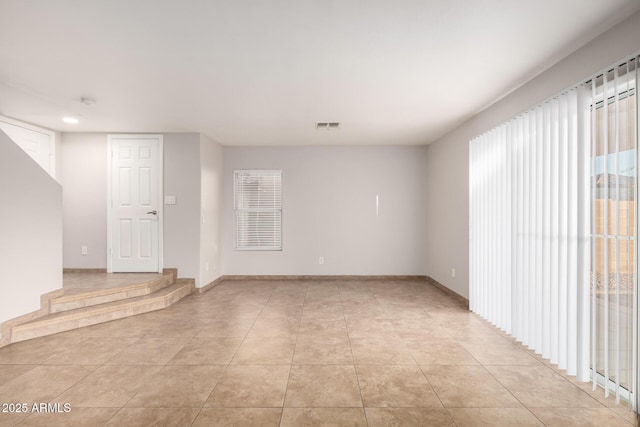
{"points": [[84, 177], [30, 232], [182, 220], [58, 157], [447, 162], [84, 174], [329, 209], [211, 210]]}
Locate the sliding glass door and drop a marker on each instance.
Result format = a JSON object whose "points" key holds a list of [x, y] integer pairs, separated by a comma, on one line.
{"points": [[613, 214], [553, 229]]}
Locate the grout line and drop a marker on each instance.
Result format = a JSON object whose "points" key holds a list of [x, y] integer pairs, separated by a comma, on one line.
{"points": [[364, 409], [286, 388]]}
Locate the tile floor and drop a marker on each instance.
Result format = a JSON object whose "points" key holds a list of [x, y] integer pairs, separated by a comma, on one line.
{"points": [[297, 353], [79, 282]]}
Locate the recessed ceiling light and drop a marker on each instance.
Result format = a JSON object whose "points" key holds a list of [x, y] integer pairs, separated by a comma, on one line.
{"points": [[70, 120]]}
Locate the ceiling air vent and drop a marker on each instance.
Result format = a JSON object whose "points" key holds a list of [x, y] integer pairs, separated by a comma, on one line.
{"points": [[327, 125]]}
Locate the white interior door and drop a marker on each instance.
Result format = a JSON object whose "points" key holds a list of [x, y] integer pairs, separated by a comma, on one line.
{"points": [[135, 208], [37, 143]]}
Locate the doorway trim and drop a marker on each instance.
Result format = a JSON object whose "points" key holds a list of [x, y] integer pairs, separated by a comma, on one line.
{"points": [[160, 209]]}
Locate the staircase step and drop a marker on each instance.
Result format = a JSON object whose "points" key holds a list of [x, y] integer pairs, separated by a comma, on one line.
{"points": [[100, 313], [102, 296]]}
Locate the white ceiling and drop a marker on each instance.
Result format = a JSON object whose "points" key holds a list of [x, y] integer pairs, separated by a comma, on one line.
{"points": [[263, 72]]}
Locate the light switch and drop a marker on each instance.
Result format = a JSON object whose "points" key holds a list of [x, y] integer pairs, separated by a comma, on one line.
{"points": [[169, 200]]}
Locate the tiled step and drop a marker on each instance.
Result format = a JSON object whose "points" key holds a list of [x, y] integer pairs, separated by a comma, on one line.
{"points": [[100, 313], [102, 296]]}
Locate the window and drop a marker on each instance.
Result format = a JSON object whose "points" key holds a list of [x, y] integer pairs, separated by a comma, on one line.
{"points": [[553, 229], [613, 188], [258, 209]]}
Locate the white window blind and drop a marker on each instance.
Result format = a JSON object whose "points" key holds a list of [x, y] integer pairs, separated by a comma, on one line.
{"points": [[258, 209], [529, 229]]}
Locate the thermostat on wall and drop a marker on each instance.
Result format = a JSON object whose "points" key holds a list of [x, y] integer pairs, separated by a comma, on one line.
{"points": [[169, 200]]}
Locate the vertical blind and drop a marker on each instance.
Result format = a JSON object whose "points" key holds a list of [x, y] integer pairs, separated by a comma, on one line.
{"points": [[529, 229], [553, 226], [258, 209]]}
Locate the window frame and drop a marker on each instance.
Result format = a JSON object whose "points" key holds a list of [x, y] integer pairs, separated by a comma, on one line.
{"points": [[275, 210]]}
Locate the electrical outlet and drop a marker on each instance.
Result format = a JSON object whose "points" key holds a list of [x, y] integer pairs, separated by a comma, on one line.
{"points": [[321, 260], [453, 272], [83, 250], [206, 266]]}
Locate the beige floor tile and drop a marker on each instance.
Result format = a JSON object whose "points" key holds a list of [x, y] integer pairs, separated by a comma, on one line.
{"points": [[239, 313], [91, 351], [251, 301], [370, 327], [322, 350], [323, 328], [588, 417], [178, 386], [293, 417], [382, 417], [439, 351], [225, 328], [9, 372], [149, 351], [278, 327], [400, 311], [351, 312], [484, 336], [321, 300], [265, 351], [322, 312], [85, 417], [284, 309], [504, 354], [473, 334], [251, 386], [539, 386], [42, 384], [135, 326], [323, 386], [142, 417], [626, 414], [494, 417], [249, 417], [377, 350], [80, 282], [108, 386], [35, 351], [468, 387], [175, 329], [395, 386], [207, 351], [11, 419], [418, 329]]}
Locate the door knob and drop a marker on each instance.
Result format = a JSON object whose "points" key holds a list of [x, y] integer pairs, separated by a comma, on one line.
{"points": [[153, 212]]}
